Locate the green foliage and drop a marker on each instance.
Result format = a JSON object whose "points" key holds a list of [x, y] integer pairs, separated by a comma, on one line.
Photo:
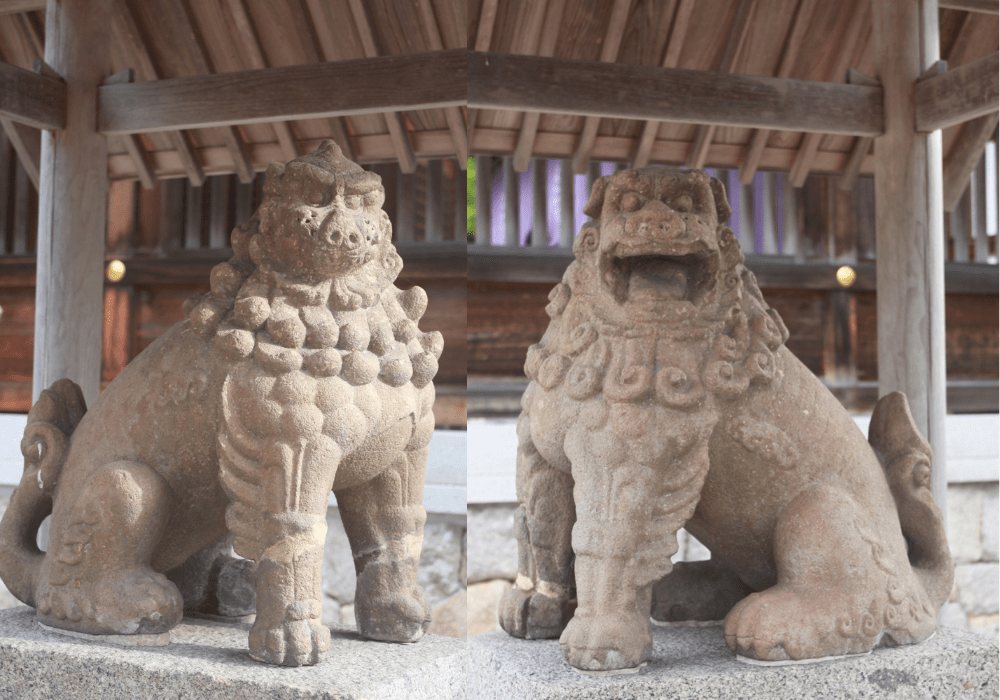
{"points": [[470, 198]]}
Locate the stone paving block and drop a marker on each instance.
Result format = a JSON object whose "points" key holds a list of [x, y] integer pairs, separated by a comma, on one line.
{"points": [[209, 661], [695, 663]]}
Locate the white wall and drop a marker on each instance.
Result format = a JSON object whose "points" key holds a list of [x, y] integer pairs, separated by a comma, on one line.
{"points": [[444, 486], [973, 445]]}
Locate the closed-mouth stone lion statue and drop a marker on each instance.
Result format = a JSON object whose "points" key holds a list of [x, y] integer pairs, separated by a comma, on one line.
{"points": [[662, 396], [302, 371]]}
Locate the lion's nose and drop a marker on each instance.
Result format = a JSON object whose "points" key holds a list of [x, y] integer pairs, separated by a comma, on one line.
{"points": [[655, 221]]}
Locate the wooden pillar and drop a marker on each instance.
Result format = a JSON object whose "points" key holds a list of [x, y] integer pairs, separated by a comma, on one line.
{"points": [[539, 203], [566, 208], [73, 203], [406, 206], [910, 226], [461, 205], [484, 200], [511, 204]]}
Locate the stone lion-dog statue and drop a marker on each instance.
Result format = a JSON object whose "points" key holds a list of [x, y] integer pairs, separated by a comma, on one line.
{"points": [[303, 370], [662, 396]]}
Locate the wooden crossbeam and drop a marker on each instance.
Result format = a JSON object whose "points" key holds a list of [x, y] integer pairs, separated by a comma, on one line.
{"points": [[394, 123], [959, 95], [322, 23], [738, 32], [609, 52], [964, 156], [619, 91], [27, 142], [32, 99], [453, 115], [546, 47], [484, 35], [675, 42], [10, 7], [361, 86], [758, 140], [991, 7]]}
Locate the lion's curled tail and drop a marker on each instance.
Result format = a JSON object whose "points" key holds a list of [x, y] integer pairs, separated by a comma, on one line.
{"points": [[906, 459], [45, 447]]}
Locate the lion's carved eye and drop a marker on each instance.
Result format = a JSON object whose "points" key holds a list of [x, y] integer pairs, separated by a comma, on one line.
{"points": [[353, 201], [682, 203], [630, 201]]}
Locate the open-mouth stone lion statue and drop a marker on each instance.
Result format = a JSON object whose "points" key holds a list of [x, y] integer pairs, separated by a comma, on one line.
{"points": [[302, 371], [662, 396]]}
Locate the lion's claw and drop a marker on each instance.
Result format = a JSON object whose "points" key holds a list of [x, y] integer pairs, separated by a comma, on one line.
{"points": [[533, 615], [607, 642], [293, 643]]}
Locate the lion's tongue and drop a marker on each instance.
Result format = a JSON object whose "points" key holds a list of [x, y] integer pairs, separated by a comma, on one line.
{"points": [[657, 279]]}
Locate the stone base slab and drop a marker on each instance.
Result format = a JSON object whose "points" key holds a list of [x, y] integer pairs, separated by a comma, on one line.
{"points": [[209, 660], [694, 662]]}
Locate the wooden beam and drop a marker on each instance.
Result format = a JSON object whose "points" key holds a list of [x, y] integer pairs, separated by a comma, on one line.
{"points": [[991, 7], [758, 140], [609, 52], [72, 203], [27, 142], [529, 83], [484, 35], [132, 143], [738, 32], [849, 177], [361, 86], [32, 99], [394, 123], [857, 29], [529, 122], [129, 41], [678, 31], [965, 154], [453, 115], [11, 7], [242, 165], [910, 226], [328, 50], [959, 95], [251, 45]]}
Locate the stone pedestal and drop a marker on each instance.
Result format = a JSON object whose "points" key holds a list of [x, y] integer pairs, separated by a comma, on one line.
{"points": [[208, 660], [695, 663]]}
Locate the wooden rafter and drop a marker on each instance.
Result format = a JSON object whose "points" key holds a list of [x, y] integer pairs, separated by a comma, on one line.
{"points": [[988, 6], [484, 35], [546, 47], [126, 33], [360, 86], [32, 99], [529, 83], [456, 123], [858, 29], [678, 30], [964, 156], [255, 55], [609, 52], [132, 143], [967, 92], [394, 123], [27, 142], [10, 7], [329, 52], [793, 43], [738, 32]]}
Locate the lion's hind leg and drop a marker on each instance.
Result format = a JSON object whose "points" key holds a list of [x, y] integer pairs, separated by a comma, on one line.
{"points": [[384, 520], [841, 587], [96, 577], [542, 601]]}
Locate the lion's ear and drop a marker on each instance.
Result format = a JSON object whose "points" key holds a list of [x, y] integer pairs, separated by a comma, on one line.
{"points": [[595, 204], [722, 209]]}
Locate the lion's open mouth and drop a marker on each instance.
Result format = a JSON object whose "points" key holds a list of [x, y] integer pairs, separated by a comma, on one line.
{"points": [[658, 278]]}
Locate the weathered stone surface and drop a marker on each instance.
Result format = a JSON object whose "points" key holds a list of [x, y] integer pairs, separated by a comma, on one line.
{"points": [[978, 587], [492, 547], [965, 522], [991, 522], [440, 561], [662, 396], [694, 663], [210, 661], [301, 371], [484, 601], [449, 618]]}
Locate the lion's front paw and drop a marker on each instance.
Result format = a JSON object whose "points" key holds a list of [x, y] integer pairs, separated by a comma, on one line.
{"points": [[292, 643], [607, 642], [534, 615], [402, 616]]}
